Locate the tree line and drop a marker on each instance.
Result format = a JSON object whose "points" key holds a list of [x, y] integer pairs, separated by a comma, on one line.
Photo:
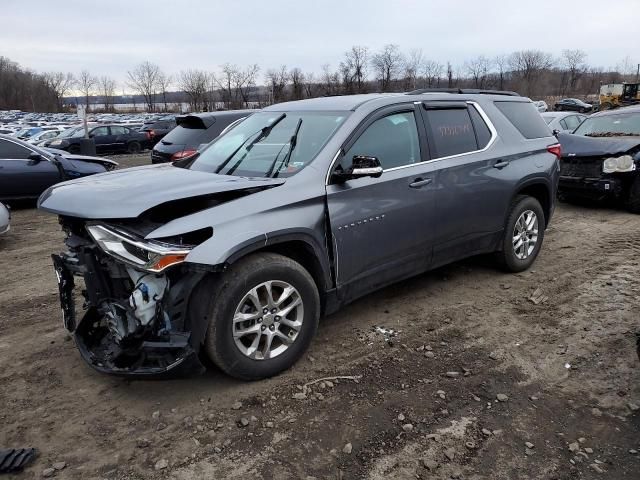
{"points": [[533, 73]]}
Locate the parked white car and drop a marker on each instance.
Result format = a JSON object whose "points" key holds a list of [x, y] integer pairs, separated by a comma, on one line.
{"points": [[541, 105], [563, 121], [43, 135], [5, 219]]}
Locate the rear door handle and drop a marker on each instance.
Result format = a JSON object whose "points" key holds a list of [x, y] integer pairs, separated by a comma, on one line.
{"points": [[420, 182], [501, 164]]}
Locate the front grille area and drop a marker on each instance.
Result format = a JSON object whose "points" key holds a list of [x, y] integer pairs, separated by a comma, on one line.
{"points": [[581, 167]]}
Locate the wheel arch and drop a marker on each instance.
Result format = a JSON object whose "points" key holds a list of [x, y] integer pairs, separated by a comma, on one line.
{"points": [[540, 189], [298, 246]]}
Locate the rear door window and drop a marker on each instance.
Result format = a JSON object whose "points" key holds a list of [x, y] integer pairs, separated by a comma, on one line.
{"points": [[119, 131], [100, 131], [451, 131], [525, 117], [572, 122]]}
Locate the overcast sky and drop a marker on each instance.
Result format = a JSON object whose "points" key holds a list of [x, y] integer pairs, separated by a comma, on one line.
{"points": [[111, 37]]}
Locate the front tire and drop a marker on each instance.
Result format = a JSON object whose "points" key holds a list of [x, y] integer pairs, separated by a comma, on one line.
{"points": [[523, 234], [264, 313]]}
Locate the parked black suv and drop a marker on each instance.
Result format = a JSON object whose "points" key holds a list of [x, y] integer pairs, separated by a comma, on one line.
{"points": [[108, 139], [303, 207], [192, 131], [158, 129]]}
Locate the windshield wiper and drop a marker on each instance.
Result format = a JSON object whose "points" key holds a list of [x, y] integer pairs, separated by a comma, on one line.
{"points": [[262, 134], [292, 144]]}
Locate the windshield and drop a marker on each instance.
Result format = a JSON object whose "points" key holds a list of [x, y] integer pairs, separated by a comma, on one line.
{"points": [[617, 125], [69, 132], [266, 144]]}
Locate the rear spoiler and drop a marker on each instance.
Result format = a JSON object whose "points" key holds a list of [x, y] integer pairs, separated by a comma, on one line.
{"points": [[195, 121]]}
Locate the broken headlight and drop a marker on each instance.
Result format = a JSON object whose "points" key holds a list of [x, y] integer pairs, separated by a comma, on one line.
{"points": [[619, 164], [143, 254]]}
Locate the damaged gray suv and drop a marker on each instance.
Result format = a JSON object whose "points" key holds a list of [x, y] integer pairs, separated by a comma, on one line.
{"points": [[234, 254]]}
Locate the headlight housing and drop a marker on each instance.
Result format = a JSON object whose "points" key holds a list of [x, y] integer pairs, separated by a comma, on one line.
{"points": [[56, 142], [143, 254], [620, 164]]}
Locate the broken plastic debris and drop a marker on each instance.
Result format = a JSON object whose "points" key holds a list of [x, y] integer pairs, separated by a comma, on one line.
{"points": [[567, 366], [388, 333]]}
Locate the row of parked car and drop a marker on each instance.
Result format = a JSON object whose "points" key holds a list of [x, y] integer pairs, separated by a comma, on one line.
{"points": [[244, 219]]}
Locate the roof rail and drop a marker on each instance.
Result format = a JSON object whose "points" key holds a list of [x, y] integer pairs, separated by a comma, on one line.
{"points": [[467, 91]]}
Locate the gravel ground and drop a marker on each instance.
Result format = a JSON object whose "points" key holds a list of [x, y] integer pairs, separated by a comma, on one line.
{"points": [[489, 375]]}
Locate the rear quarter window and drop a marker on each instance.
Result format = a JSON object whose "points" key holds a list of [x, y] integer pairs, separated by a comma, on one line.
{"points": [[525, 117]]}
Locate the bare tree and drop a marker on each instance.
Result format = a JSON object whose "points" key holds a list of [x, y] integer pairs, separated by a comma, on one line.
{"points": [[107, 87], [144, 80], [310, 85], [86, 84], [528, 65], [329, 81], [449, 75], [164, 82], [478, 70], [60, 83], [413, 66], [297, 83], [277, 81], [501, 62], [236, 83], [194, 84], [354, 69], [432, 71], [387, 64], [243, 82], [574, 66]]}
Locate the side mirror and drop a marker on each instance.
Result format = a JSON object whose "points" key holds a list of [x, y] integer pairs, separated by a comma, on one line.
{"points": [[556, 132], [34, 158], [361, 166]]}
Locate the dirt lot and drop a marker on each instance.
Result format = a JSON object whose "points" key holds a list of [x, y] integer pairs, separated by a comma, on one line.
{"points": [[422, 405]]}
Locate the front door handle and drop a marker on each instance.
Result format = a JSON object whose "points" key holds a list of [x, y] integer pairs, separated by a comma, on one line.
{"points": [[501, 164], [420, 182]]}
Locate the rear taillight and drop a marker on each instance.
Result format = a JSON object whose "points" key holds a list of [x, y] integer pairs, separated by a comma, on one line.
{"points": [[152, 133], [556, 149], [183, 154]]}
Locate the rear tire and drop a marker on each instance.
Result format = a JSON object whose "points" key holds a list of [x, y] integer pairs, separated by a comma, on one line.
{"points": [[633, 199], [239, 354], [134, 147], [521, 242]]}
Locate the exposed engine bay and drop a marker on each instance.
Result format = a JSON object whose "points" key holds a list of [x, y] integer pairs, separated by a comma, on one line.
{"points": [[135, 318]]}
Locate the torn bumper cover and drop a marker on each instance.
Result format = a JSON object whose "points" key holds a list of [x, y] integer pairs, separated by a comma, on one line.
{"points": [[135, 321]]}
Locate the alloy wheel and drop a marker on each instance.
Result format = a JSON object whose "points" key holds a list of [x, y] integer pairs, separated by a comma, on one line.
{"points": [[525, 234], [268, 320]]}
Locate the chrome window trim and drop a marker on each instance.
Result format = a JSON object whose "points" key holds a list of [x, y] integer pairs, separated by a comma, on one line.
{"points": [[483, 115]]}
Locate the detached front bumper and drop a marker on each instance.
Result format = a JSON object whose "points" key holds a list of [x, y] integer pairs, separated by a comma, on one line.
{"points": [[154, 354]]}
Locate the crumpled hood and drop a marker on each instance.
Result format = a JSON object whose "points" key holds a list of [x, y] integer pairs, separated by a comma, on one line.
{"points": [[130, 192], [581, 146]]}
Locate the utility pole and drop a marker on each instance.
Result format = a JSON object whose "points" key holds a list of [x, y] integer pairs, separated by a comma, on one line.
{"points": [[638, 73]]}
